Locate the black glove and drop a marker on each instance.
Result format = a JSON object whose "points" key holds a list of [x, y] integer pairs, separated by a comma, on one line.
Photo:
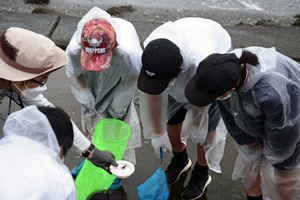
{"points": [[103, 159]]}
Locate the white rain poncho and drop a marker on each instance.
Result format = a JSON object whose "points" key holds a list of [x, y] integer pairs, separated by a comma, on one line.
{"points": [[266, 108], [31, 167], [196, 38], [111, 91], [80, 141]]}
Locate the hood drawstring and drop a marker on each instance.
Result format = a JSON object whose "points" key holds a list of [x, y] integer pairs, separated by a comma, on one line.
{"points": [[20, 103]]}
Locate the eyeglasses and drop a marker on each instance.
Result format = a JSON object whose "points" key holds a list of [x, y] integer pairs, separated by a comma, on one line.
{"points": [[40, 83]]}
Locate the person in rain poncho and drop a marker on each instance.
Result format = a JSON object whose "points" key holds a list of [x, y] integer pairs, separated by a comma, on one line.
{"points": [[171, 56], [32, 150], [26, 60], [257, 92], [105, 56]]}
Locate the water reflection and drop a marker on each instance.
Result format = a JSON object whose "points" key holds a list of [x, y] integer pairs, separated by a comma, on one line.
{"points": [[176, 189]]}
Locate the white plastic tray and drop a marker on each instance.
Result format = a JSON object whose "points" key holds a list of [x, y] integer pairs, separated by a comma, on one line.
{"points": [[124, 169]]}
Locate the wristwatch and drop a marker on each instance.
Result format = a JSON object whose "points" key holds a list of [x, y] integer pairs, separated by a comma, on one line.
{"points": [[88, 151]]}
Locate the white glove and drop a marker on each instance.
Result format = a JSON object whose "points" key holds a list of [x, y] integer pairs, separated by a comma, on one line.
{"points": [[159, 142]]}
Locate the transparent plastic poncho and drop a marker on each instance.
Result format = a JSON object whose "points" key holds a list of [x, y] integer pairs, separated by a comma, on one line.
{"points": [[269, 178], [32, 167], [80, 141], [111, 91], [267, 105], [153, 111], [196, 38], [266, 108]]}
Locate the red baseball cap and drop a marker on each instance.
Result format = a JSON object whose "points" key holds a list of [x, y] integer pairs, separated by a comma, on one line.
{"points": [[98, 39]]}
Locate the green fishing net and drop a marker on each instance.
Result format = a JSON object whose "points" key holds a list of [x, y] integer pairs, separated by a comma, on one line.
{"points": [[110, 135]]}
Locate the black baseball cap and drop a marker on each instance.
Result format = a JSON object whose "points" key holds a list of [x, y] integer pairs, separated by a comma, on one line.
{"points": [[161, 59], [216, 74]]}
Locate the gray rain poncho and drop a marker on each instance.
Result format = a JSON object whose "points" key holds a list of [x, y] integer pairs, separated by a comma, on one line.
{"points": [[111, 91], [196, 38], [31, 167], [266, 107]]}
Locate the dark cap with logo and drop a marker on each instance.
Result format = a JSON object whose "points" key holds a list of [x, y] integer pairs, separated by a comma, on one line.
{"points": [[161, 59], [216, 74]]}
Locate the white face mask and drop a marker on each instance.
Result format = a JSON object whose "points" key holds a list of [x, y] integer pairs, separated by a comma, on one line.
{"points": [[224, 97], [31, 93], [171, 83]]}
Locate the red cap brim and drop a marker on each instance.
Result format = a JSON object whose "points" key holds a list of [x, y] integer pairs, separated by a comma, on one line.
{"points": [[95, 62]]}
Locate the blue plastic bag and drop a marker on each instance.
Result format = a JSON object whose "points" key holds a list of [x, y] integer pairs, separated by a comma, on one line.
{"points": [[155, 188]]}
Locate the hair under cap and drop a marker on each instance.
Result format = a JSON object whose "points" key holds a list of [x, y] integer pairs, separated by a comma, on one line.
{"points": [[216, 74]]}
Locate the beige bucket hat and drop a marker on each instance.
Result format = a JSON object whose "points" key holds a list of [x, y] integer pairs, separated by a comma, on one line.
{"points": [[25, 55]]}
